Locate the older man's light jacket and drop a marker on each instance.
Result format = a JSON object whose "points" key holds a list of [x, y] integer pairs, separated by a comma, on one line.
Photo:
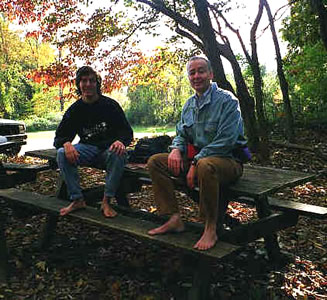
{"points": [[214, 124]]}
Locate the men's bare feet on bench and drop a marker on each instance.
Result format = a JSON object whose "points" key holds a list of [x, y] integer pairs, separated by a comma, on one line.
{"points": [[74, 206], [174, 224], [107, 210], [208, 239]]}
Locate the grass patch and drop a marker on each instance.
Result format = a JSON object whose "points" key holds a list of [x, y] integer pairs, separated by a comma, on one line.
{"points": [[154, 129], [41, 134], [160, 130]]}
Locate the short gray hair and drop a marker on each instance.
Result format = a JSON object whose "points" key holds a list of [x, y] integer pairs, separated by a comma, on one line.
{"points": [[207, 61]]}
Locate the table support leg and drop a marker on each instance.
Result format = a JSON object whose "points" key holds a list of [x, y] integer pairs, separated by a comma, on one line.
{"points": [[201, 279], [48, 231], [3, 177], [121, 197], [224, 198], [61, 191], [3, 250], [2, 169], [271, 242]]}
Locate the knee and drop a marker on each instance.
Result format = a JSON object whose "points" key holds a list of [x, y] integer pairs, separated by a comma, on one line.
{"points": [[60, 155], [205, 167], [153, 161], [114, 158]]}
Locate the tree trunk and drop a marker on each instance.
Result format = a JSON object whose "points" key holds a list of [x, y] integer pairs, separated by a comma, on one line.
{"points": [[282, 80], [208, 37], [319, 9], [258, 84], [61, 98], [213, 52], [247, 106]]}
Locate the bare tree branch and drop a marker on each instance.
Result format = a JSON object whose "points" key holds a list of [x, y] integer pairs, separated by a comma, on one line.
{"points": [[282, 80], [236, 31], [253, 31], [275, 15], [219, 31], [190, 37], [160, 6]]}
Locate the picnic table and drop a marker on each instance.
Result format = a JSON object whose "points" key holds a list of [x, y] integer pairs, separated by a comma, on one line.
{"points": [[15, 173], [255, 186]]}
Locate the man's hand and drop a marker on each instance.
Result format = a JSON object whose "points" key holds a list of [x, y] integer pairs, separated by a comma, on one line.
{"points": [[175, 162], [190, 177], [71, 153], [118, 147]]}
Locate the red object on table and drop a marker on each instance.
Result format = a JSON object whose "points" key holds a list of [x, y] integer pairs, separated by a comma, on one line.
{"points": [[191, 151]]}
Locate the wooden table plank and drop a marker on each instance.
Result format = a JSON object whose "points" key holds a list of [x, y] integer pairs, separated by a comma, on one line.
{"points": [[24, 167], [256, 180], [303, 209], [44, 153]]}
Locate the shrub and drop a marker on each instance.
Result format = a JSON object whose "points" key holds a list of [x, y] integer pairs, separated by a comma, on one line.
{"points": [[48, 122]]}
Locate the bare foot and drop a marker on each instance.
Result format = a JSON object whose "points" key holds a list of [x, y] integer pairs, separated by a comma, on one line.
{"points": [[107, 210], [75, 205], [174, 224], [208, 239]]}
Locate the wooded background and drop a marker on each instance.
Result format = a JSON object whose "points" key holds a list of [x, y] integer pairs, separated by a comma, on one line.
{"points": [[38, 62]]}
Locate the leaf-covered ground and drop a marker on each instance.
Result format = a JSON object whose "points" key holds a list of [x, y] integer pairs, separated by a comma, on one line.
{"points": [[85, 262]]}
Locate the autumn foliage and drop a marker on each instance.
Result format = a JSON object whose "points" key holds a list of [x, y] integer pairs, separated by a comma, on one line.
{"points": [[78, 36]]}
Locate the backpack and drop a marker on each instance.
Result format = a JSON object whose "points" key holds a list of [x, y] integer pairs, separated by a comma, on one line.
{"points": [[146, 147]]}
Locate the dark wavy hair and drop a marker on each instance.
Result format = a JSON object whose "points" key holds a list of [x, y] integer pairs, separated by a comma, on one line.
{"points": [[85, 71]]}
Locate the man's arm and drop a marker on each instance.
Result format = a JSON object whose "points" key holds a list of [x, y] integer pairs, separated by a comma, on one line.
{"points": [[178, 147], [71, 153], [65, 131], [180, 141], [124, 129], [175, 162]]}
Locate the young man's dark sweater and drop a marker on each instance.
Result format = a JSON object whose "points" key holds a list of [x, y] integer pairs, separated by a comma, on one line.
{"points": [[100, 124]]}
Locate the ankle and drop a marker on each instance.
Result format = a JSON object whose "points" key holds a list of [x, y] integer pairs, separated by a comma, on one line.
{"points": [[78, 201], [106, 200], [176, 218], [210, 227]]}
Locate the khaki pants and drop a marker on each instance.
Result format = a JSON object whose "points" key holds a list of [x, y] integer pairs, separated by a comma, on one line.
{"points": [[211, 173]]}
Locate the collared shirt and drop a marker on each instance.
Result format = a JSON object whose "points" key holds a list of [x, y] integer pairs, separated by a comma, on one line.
{"points": [[200, 99], [215, 127]]}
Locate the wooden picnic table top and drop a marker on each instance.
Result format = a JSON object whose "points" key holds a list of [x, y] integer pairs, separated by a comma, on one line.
{"points": [[256, 180]]}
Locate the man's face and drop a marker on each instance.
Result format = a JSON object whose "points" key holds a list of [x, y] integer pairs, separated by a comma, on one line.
{"points": [[88, 85], [199, 75]]}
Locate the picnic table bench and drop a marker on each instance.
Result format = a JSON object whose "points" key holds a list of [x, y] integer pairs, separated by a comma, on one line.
{"points": [[255, 186]]}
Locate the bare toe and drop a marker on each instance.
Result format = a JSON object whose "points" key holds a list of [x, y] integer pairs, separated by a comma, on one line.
{"points": [[206, 242], [74, 206], [108, 211], [63, 211], [174, 224]]}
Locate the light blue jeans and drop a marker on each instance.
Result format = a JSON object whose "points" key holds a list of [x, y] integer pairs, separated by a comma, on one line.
{"points": [[91, 156]]}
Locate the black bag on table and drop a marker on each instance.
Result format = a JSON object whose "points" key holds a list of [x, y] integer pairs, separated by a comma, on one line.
{"points": [[146, 147]]}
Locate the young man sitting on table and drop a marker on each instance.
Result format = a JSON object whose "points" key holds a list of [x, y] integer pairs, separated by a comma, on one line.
{"points": [[104, 133]]}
